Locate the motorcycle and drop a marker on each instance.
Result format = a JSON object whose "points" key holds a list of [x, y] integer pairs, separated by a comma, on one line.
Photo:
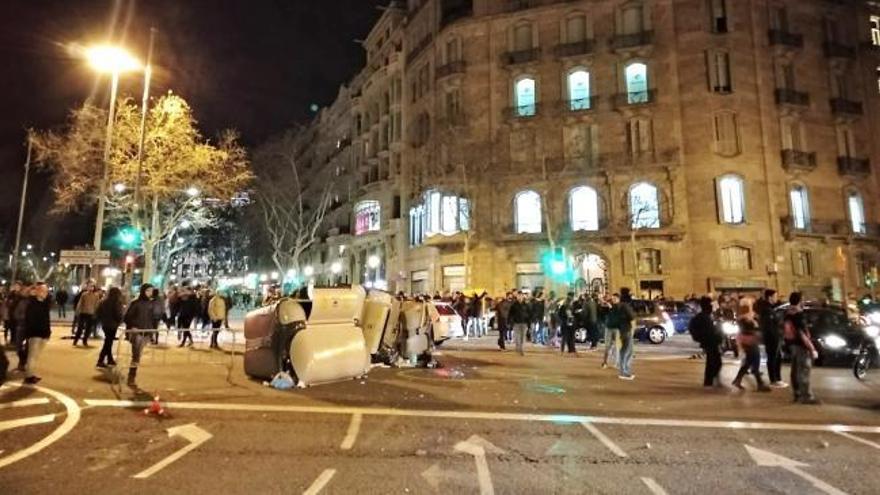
{"points": [[868, 351], [729, 329]]}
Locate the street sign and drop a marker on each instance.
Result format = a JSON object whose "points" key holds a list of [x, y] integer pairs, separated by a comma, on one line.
{"points": [[81, 257]]}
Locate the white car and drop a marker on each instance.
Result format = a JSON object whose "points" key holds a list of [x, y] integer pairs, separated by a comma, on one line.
{"points": [[447, 323]]}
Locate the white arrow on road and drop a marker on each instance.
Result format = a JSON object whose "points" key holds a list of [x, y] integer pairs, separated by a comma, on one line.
{"points": [[192, 433], [477, 447], [769, 459]]}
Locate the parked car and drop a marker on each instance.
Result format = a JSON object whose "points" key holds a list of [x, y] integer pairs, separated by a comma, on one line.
{"points": [[836, 337], [449, 322], [681, 314], [652, 324]]}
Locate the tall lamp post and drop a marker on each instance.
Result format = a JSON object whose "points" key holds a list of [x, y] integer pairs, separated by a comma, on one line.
{"points": [[114, 61], [24, 188]]}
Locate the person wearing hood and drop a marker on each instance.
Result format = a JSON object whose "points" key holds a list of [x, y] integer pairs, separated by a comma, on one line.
{"points": [[142, 314]]}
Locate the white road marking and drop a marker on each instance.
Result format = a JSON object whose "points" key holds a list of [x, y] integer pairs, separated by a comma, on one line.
{"points": [[769, 459], [321, 482], [353, 428], [70, 421], [654, 487], [477, 447], [33, 420], [613, 447], [492, 416], [859, 439], [24, 403], [192, 433]]}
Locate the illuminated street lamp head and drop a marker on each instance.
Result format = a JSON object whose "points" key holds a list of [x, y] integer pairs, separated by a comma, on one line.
{"points": [[111, 59], [192, 192], [308, 271], [373, 261], [119, 188], [336, 267]]}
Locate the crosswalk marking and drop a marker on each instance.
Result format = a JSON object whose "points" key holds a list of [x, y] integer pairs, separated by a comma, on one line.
{"points": [[24, 403], [653, 486], [321, 482], [33, 420], [613, 447]]}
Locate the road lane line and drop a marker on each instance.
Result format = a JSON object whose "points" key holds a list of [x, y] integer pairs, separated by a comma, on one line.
{"points": [[654, 487], [70, 421], [859, 439], [24, 403], [321, 482], [192, 433], [33, 420], [492, 416], [613, 447], [353, 428]]}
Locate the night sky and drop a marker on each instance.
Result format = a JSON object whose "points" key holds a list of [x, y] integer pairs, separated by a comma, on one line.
{"points": [[252, 65]]}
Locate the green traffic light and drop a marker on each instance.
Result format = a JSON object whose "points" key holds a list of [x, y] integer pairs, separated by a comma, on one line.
{"points": [[129, 237]]}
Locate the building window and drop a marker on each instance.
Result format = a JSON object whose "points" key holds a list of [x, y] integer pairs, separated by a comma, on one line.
{"points": [[803, 263], [522, 37], [639, 136], [579, 89], [438, 214], [736, 258], [416, 225], [583, 208], [527, 212], [792, 134], [650, 262], [367, 217], [779, 19], [644, 206], [453, 104], [632, 20], [856, 209], [525, 97], [453, 50], [636, 79], [726, 134], [576, 29], [875, 30], [718, 72], [846, 142], [718, 16], [731, 197], [800, 207]]}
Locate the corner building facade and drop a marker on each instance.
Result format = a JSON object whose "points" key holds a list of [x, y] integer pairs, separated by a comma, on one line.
{"points": [[677, 146]]}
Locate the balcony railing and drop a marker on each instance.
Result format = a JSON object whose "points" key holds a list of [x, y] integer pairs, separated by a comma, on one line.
{"points": [[838, 50], [857, 167], [633, 40], [784, 38], [577, 105], [454, 67], [635, 98], [798, 160], [523, 111], [792, 97], [842, 106], [574, 49], [521, 56]]}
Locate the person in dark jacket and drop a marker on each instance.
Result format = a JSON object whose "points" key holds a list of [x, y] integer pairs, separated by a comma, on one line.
{"points": [[38, 329], [749, 338], [625, 318], [61, 298], [520, 317], [142, 314], [539, 329], [703, 329], [567, 324], [188, 309], [110, 313], [591, 320], [771, 332]]}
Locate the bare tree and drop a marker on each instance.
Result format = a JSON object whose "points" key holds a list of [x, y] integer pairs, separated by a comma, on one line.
{"points": [[291, 213]]}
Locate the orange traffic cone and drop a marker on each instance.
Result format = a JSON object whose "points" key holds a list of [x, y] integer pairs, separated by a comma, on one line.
{"points": [[155, 407]]}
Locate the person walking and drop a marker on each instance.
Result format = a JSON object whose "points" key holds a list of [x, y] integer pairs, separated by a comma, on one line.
{"points": [[612, 332], [800, 346], [61, 298], [520, 318], [502, 309], [38, 329], [188, 309], [110, 312], [536, 310], [13, 297], [142, 314], [551, 317], [772, 336], [625, 318], [85, 311], [567, 322], [704, 331], [19, 315], [749, 340], [217, 313], [591, 321]]}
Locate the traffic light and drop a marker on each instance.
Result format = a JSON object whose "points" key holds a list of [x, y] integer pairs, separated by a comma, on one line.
{"points": [[129, 237], [556, 266]]}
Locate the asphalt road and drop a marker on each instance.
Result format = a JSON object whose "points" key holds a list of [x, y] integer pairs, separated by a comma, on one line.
{"points": [[486, 422]]}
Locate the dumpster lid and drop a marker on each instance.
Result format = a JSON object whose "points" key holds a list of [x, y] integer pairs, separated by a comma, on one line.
{"points": [[289, 311], [342, 305]]}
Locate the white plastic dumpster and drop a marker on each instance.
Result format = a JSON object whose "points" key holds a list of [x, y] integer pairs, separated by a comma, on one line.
{"points": [[380, 323], [268, 332]]}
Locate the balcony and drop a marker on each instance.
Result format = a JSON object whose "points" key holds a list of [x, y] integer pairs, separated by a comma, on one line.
{"points": [[786, 96], [634, 40], [838, 50], [622, 100], [574, 49], [521, 56], [793, 160], [523, 111], [815, 228], [454, 67], [844, 107], [577, 106], [853, 167], [785, 39]]}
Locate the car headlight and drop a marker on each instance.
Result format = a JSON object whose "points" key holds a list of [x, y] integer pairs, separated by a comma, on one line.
{"points": [[873, 331], [874, 317], [834, 341], [729, 328]]}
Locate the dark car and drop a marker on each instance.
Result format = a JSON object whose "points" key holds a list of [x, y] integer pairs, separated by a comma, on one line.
{"points": [[836, 337], [681, 314]]}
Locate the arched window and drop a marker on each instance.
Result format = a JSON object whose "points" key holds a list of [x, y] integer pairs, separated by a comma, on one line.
{"points": [[583, 209], [525, 96], [579, 89], [636, 79], [644, 206], [856, 209], [731, 198], [527, 212], [800, 207]]}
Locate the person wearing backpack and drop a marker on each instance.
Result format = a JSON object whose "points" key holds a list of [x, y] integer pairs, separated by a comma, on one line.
{"points": [[704, 332], [800, 345]]}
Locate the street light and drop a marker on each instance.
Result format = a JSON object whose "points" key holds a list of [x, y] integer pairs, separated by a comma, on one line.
{"points": [[308, 271], [192, 191], [119, 188], [336, 267], [373, 261], [114, 61]]}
